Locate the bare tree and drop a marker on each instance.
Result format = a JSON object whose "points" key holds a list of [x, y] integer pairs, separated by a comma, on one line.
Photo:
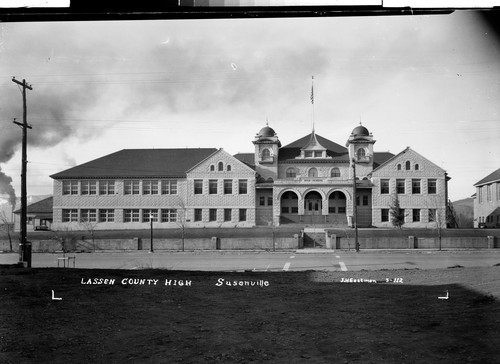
{"points": [[181, 220], [90, 226], [7, 227]]}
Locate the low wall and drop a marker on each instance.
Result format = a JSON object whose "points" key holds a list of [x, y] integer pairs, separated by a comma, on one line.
{"points": [[260, 243]]}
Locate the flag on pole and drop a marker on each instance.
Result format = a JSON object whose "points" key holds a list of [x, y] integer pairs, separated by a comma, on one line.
{"points": [[312, 91]]}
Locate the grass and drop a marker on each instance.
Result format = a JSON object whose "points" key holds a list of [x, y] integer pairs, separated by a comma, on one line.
{"points": [[300, 317]]}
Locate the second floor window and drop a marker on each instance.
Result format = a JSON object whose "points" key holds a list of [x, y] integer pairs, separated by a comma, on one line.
{"points": [[169, 187], [415, 186], [313, 172], [150, 187], [431, 186], [106, 187], [400, 186], [198, 186], [384, 186], [228, 186], [131, 187], [291, 173], [70, 188], [242, 187], [89, 187], [212, 186], [335, 172]]}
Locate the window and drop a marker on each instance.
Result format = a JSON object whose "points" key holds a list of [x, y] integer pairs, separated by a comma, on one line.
{"points": [[262, 200], [212, 186], [415, 186], [212, 215], [284, 209], [384, 186], [335, 172], [220, 167], [150, 187], [228, 186], [341, 209], [131, 187], [361, 153], [212, 168], [488, 192], [399, 167], [318, 154], [416, 215], [331, 209], [70, 188], [480, 194], [228, 168], [198, 186], [291, 173], [400, 186], [407, 165], [432, 215], [168, 215], [197, 214], [384, 215], [106, 215], [417, 167], [106, 187], [149, 214], [169, 187], [243, 214], [365, 200], [431, 186], [242, 186], [227, 214], [131, 215], [69, 215], [308, 154], [313, 172], [89, 187], [88, 215], [266, 154], [498, 191], [269, 200]]}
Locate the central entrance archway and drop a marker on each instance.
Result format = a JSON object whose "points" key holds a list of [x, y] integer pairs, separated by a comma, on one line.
{"points": [[313, 203]]}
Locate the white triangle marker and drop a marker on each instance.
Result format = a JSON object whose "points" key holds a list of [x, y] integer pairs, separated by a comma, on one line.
{"points": [[55, 298]]}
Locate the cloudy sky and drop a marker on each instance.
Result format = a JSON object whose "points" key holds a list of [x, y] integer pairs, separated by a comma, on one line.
{"points": [[428, 82]]}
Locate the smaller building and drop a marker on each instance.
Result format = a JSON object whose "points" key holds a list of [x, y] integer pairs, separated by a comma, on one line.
{"points": [[487, 201], [39, 216]]}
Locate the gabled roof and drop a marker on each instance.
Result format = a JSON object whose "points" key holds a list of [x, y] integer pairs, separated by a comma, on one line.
{"points": [[492, 177], [42, 206], [381, 157], [247, 158], [406, 150], [136, 163], [334, 150]]}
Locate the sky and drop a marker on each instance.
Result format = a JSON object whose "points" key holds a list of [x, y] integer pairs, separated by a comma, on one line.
{"points": [[427, 82]]}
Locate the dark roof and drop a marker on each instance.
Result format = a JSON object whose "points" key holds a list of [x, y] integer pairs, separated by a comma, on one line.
{"points": [[381, 157], [135, 163], [495, 176], [40, 207], [247, 158], [334, 150]]}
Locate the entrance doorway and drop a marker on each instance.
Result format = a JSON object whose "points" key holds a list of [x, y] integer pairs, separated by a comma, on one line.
{"points": [[313, 203]]}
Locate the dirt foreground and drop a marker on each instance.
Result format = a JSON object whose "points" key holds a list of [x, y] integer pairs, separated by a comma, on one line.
{"points": [[161, 316]]}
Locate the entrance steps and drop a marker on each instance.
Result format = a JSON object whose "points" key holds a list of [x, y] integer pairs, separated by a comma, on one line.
{"points": [[314, 238]]}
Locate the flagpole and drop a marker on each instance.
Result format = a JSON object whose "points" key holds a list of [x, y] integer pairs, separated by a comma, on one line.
{"points": [[312, 101]]}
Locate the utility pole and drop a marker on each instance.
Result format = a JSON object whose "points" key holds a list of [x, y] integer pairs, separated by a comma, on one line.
{"points": [[24, 251], [355, 207]]}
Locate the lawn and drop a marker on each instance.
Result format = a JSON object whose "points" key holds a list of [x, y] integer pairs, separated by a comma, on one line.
{"points": [[211, 317]]}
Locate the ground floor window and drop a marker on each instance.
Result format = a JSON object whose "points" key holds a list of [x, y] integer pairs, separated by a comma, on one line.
{"points": [[197, 214], [227, 214], [168, 215], [131, 215], [385, 215], [106, 215], [149, 214], [69, 215], [243, 214], [88, 215]]}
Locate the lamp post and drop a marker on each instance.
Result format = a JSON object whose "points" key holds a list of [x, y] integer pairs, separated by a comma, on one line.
{"points": [[151, 250], [354, 205]]}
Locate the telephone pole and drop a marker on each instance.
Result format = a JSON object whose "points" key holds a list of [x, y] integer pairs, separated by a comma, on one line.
{"points": [[24, 250], [354, 206]]}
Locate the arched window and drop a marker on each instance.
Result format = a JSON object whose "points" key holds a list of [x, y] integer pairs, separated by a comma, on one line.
{"points": [[407, 166], [266, 154], [417, 167], [212, 168], [313, 172], [220, 166], [291, 173], [335, 172], [361, 153], [228, 167], [399, 166]]}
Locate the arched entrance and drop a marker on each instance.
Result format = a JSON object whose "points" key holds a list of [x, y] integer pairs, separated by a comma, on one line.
{"points": [[337, 205], [313, 203], [289, 208]]}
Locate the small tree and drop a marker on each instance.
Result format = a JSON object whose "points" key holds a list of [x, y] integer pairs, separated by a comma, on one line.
{"points": [[397, 213], [6, 226], [90, 226], [181, 220]]}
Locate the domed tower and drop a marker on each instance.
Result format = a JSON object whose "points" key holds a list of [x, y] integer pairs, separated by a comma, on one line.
{"points": [[267, 146], [360, 146]]}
